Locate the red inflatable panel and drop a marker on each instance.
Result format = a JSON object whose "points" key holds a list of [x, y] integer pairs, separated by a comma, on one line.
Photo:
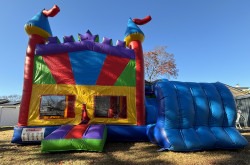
{"points": [[77, 131], [109, 75], [60, 68]]}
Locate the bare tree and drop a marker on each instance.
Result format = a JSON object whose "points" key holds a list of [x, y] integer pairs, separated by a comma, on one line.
{"points": [[159, 64], [14, 97]]}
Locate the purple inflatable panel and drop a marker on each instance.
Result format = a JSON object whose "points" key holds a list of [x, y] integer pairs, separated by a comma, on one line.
{"points": [[57, 48], [60, 133], [94, 132]]}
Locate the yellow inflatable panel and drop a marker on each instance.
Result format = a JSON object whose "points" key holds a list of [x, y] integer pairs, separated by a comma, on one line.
{"points": [[36, 30], [134, 37], [83, 94]]}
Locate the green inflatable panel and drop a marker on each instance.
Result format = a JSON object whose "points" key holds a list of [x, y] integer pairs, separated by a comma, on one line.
{"points": [[42, 74], [128, 76]]}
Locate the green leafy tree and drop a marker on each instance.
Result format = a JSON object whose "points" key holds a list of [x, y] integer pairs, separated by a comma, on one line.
{"points": [[159, 64]]}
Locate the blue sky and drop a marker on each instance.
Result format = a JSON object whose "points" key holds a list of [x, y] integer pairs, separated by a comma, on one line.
{"points": [[209, 38]]}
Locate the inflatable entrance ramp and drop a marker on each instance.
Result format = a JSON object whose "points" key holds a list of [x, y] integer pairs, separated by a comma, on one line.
{"points": [[76, 137], [195, 116]]}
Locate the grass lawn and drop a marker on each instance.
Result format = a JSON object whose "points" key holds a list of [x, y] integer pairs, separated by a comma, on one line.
{"points": [[118, 153]]}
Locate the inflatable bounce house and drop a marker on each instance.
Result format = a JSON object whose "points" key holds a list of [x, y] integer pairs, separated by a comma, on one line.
{"points": [[79, 94]]}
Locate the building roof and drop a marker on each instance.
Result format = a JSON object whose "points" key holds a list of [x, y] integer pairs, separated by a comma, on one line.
{"points": [[243, 97], [236, 91], [5, 102]]}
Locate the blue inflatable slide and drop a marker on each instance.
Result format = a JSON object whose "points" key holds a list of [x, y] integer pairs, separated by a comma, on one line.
{"points": [[192, 116]]}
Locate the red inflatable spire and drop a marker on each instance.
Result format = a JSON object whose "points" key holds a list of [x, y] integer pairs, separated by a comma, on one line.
{"points": [[52, 12], [142, 21]]}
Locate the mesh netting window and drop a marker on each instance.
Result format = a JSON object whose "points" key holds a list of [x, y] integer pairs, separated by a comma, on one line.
{"points": [[110, 106], [57, 106]]}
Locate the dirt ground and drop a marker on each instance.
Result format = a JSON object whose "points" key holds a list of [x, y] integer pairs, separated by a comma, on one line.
{"points": [[117, 154]]}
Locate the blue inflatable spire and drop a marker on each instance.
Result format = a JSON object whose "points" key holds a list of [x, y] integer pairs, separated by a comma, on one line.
{"points": [[39, 24], [133, 32]]}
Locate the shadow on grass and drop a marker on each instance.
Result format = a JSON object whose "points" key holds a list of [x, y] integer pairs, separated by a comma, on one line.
{"points": [[8, 147], [114, 153], [123, 153], [235, 156]]}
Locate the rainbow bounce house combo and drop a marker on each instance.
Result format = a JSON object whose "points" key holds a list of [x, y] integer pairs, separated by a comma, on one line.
{"points": [[79, 94]]}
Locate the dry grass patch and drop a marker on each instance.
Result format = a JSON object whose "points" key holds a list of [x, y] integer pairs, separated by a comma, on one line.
{"points": [[117, 154]]}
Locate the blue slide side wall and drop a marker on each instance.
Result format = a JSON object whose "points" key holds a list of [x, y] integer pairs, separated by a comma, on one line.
{"points": [[195, 116]]}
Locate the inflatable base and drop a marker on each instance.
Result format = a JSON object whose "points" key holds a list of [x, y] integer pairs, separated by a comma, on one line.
{"points": [[31, 134], [76, 137], [126, 133]]}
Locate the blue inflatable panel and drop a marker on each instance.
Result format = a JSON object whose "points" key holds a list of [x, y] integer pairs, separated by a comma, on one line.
{"points": [[31, 134], [148, 89], [195, 116], [151, 110], [150, 133], [81, 60], [125, 133]]}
